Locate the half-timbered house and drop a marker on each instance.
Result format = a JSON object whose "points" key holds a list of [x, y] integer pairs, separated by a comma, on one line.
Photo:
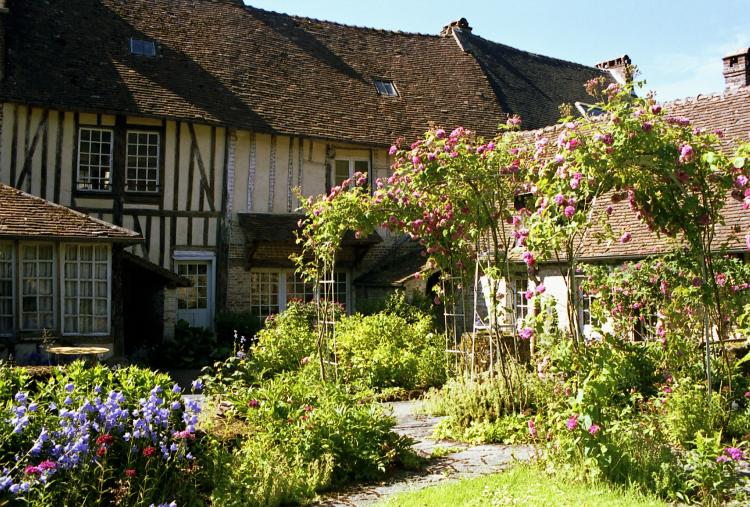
{"points": [[191, 122]]}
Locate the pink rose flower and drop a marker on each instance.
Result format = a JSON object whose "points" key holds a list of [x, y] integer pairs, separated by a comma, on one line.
{"points": [[594, 429], [572, 422]]}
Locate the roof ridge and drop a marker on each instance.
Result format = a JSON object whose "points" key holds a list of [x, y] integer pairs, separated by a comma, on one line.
{"points": [[536, 55], [345, 25], [108, 225], [708, 96]]}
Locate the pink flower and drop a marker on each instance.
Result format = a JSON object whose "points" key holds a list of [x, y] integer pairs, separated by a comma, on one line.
{"points": [[130, 472], [686, 153], [526, 333], [393, 150], [625, 238], [697, 281], [722, 459], [31, 470], [253, 403], [574, 182], [734, 453], [532, 428], [529, 294], [747, 241], [721, 279], [440, 133], [559, 199], [609, 210], [647, 126], [594, 429], [667, 390], [656, 109], [741, 180], [47, 465], [747, 394], [569, 212], [540, 288], [572, 422], [528, 258]]}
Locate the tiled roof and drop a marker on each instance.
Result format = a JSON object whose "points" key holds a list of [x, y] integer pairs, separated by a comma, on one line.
{"points": [[219, 62], [530, 85], [25, 216]]}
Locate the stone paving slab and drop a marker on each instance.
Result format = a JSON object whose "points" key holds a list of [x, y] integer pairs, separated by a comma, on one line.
{"points": [[467, 462]]}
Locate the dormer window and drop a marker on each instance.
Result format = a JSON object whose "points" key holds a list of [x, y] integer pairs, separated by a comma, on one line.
{"points": [[386, 88], [140, 47]]}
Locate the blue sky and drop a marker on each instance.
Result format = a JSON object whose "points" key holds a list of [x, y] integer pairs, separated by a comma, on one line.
{"points": [[677, 45]]}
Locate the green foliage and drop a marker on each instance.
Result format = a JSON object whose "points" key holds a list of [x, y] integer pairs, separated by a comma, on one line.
{"points": [[387, 350], [299, 437], [689, 412], [260, 472], [286, 340]]}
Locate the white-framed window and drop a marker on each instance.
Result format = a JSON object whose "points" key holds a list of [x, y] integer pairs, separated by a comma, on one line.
{"points": [[142, 163], [519, 287], [265, 289], [86, 289], [583, 307], [272, 290], [299, 290], [194, 297], [37, 286], [94, 158], [7, 283], [344, 168]]}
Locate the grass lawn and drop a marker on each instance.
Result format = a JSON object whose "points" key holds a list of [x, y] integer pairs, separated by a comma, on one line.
{"points": [[523, 486]]}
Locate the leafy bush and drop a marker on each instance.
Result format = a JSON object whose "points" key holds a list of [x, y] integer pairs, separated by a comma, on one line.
{"points": [[301, 437], [689, 412], [286, 340], [387, 350]]}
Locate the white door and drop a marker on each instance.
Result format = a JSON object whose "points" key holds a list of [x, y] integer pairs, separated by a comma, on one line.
{"points": [[195, 303]]}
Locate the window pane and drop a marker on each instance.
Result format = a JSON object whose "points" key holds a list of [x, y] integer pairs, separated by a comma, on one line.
{"points": [[85, 310], [142, 164], [94, 164], [6, 289], [342, 171], [37, 286]]}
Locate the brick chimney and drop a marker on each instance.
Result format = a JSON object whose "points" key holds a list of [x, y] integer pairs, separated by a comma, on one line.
{"points": [[736, 69], [620, 68], [461, 24], [3, 49]]}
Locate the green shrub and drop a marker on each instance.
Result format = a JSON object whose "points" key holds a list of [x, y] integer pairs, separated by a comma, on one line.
{"points": [[285, 341], [387, 350], [263, 473], [301, 436], [689, 412]]}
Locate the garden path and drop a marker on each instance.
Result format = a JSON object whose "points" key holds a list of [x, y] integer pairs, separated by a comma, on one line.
{"points": [[465, 461]]}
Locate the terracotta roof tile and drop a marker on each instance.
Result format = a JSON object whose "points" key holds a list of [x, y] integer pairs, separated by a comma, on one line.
{"points": [[25, 216], [219, 62]]}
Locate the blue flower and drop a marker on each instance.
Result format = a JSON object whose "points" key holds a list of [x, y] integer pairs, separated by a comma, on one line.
{"points": [[69, 387], [21, 397], [176, 389], [197, 385]]}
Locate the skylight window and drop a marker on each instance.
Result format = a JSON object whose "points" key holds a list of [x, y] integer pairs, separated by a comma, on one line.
{"points": [[386, 88], [142, 47]]}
